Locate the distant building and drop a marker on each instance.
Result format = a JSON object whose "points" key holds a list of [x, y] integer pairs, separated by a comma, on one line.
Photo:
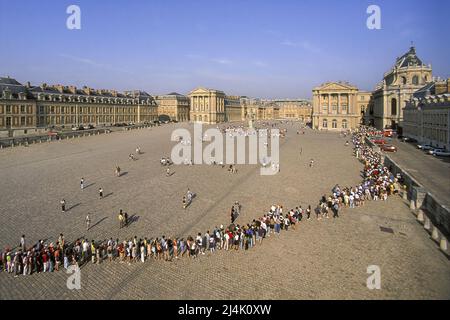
{"points": [[336, 106], [207, 105], [390, 97], [426, 117], [174, 105], [233, 108], [295, 109], [17, 108], [24, 108]]}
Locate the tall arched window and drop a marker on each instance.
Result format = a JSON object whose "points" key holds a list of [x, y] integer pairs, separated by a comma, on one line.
{"points": [[394, 107], [344, 124], [415, 80], [403, 80], [334, 124], [325, 123]]}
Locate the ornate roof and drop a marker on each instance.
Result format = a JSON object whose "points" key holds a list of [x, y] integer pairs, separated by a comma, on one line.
{"points": [[409, 59]]}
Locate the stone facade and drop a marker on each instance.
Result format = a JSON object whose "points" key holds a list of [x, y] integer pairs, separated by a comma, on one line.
{"points": [[174, 105], [365, 107], [295, 109], [17, 108], [233, 109], [207, 105], [57, 106], [335, 106], [390, 97], [426, 116]]}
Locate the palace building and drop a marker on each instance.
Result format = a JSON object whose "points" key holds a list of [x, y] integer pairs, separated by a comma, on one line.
{"points": [[28, 109], [233, 109], [207, 105], [390, 97], [335, 106], [17, 108], [295, 109], [173, 105], [426, 116]]}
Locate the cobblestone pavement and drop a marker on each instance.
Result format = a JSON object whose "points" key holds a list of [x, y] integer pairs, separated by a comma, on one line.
{"points": [[324, 259]]}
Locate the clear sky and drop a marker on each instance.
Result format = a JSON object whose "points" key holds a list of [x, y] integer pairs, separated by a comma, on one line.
{"points": [[258, 48]]}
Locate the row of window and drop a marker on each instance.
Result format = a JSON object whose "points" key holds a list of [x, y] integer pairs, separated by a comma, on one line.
{"points": [[16, 121], [439, 119], [334, 108], [73, 110], [63, 120], [436, 134], [334, 124], [8, 109]]}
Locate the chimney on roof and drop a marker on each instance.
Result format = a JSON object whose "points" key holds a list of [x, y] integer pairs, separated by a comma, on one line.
{"points": [[60, 88], [72, 89], [44, 86], [87, 90], [28, 84]]}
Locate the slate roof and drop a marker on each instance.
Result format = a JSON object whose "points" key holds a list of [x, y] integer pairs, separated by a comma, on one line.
{"points": [[409, 58]]}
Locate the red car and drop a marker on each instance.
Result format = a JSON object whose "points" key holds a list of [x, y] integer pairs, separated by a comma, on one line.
{"points": [[388, 148]]}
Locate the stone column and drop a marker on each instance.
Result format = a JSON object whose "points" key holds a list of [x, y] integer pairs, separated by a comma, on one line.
{"points": [[339, 104], [329, 103]]}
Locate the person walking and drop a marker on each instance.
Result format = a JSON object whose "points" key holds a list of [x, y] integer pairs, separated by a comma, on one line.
{"points": [[82, 183], [63, 205], [88, 222], [100, 193]]}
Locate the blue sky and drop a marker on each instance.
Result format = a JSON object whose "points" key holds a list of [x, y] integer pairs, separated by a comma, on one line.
{"points": [[259, 48]]}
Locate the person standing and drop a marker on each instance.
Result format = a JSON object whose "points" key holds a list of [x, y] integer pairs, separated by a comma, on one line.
{"points": [[88, 222], [125, 216], [82, 183], [63, 205], [100, 193], [120, 219], [336, 210], [308, 212], [22, 243]]}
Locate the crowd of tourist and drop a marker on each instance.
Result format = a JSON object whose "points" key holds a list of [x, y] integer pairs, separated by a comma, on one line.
{"points": [[378, 183]]}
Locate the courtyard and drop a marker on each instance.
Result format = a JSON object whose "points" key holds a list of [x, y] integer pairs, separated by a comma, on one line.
{"points": [[325, 259]]}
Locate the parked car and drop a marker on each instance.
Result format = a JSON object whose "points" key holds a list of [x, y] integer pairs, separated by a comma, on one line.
{"points": [[424, 147], [432, 151], [441, 154], [388, 148], [407, 139]]}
